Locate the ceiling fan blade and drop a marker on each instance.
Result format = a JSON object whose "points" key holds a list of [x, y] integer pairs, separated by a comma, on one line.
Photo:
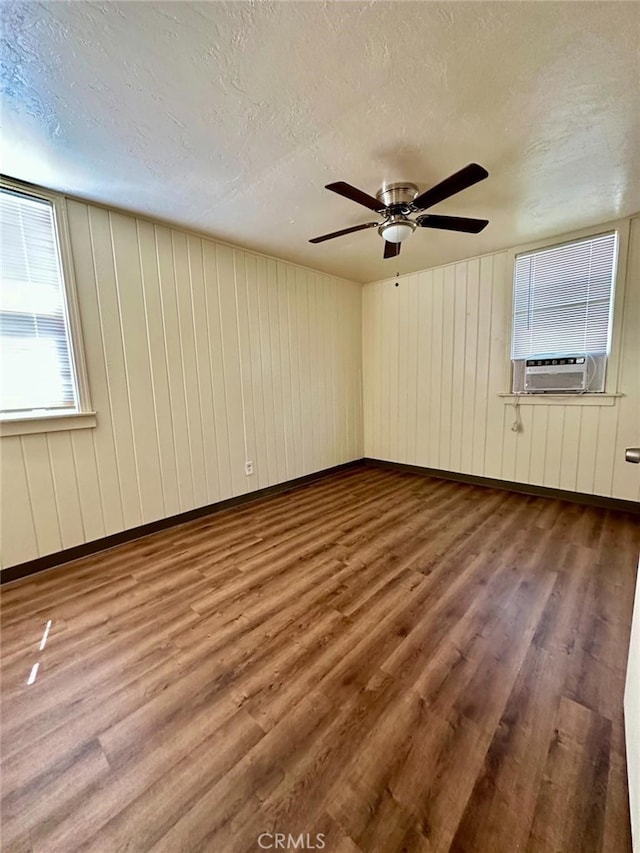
{"points": [[356, 195], [452, 223], [344, 231], [391, 250], [466, 177]]}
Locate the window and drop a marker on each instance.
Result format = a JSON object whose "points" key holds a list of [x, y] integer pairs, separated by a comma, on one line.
{"points": [[38, 362], [563, 299]]}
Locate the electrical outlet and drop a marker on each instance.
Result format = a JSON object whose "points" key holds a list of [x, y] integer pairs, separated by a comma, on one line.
{"points": [[248, 468]]}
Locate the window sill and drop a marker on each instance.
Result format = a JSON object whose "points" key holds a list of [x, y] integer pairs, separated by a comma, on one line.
{"points": [[595, 399], [47, 423]]}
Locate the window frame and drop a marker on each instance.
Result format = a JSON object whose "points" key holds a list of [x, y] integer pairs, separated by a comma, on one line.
{"points": [[623, 228], [37, 420]]}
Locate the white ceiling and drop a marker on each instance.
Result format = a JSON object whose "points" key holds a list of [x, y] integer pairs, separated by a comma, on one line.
{"points": [[230, 117]]}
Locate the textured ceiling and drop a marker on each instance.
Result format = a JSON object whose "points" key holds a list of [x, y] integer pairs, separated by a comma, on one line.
{"points": [[230, 117]]}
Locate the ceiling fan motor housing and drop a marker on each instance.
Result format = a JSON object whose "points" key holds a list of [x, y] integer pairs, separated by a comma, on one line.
{"points": [[399, 194], [397, 200]]}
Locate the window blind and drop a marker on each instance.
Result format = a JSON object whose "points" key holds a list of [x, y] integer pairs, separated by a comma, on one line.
{"points": [[563, 298], [36, 369]]}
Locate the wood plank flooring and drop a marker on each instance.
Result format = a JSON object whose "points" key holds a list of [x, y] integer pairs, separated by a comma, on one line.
{"points": [[377, 661]]}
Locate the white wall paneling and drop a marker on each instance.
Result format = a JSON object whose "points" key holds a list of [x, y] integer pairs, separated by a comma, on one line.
{"points": [[435, 352], [200, 356]]}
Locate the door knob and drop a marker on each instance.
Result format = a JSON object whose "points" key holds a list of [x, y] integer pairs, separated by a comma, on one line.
{"points": [[632, 454]]}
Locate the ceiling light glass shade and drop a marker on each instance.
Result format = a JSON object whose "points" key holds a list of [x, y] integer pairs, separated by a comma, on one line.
{"points": [[396, 232]]}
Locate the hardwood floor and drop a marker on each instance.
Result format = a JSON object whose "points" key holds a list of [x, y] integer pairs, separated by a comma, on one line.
{"points": [[378, 661]]}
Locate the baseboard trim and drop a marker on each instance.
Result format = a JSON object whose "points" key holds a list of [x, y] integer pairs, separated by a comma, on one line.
{"points": [[523, 488], [59, 558]]}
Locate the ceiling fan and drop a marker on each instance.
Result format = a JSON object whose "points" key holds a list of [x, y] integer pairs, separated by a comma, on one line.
{"points": [[396, 203]]}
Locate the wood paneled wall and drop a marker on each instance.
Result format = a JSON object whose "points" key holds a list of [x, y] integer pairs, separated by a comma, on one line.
{"points": [[200, 356], [436, 358]]}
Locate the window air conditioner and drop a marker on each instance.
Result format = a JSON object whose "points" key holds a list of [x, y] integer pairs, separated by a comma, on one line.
{"points": [[564, 373], [577, 373]]}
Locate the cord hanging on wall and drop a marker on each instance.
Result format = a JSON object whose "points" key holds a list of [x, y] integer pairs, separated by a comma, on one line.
{"points": [[517, 425]]}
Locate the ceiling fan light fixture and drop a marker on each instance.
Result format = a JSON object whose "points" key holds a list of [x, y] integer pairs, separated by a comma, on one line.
{"points": [[397, 229], [397, 202]]}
